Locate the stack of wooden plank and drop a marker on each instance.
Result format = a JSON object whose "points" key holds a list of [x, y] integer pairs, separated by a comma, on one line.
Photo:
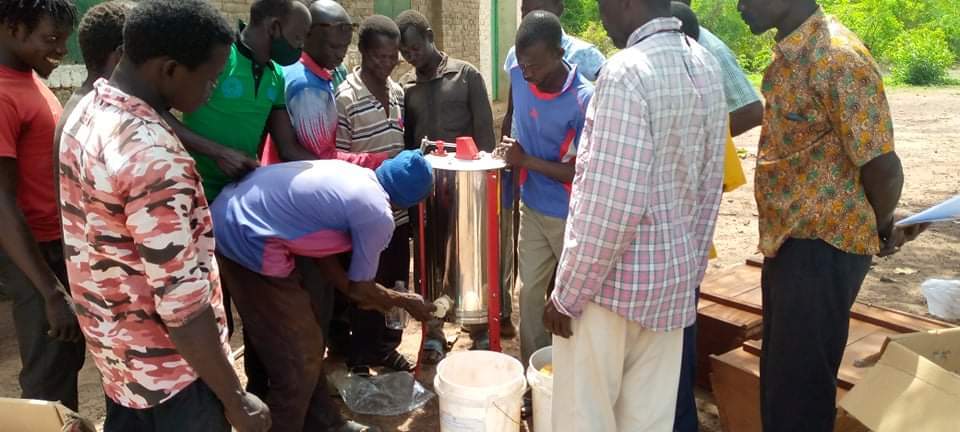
{"points": [[730, 313], [724, 319]]}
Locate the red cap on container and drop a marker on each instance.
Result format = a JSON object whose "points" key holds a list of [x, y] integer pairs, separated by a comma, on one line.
{"points": [[467, 148], [441, 149]]}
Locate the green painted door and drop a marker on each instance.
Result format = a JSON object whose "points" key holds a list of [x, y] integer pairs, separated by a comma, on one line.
{"points": [[390, 8]]}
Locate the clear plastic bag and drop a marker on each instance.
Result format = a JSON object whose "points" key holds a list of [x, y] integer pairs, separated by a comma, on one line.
{"points": [[943, 298], [389, 394]]}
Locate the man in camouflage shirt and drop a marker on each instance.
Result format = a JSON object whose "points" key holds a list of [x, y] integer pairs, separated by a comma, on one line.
{"points": [[138, 235]]}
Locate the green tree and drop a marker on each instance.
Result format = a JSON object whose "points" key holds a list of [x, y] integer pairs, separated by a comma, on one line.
{"points": [[579, 14], [888, 27], [597, 35], [723, 19], [921, 56], [876, 22]]}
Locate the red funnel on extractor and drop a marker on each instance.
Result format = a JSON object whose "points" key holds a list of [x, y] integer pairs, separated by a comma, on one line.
{"points": [[467, 149]]}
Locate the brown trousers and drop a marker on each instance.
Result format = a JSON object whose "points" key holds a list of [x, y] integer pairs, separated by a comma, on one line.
{"points": [[278, 319]]}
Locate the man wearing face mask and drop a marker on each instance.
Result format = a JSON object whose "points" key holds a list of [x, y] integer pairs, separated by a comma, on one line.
{"points": [[225, 135]]}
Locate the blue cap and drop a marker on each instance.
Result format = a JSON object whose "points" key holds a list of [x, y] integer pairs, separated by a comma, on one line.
{"points": [[407, 178]]}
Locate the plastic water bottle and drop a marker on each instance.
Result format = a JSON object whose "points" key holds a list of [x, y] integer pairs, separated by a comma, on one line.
{"points": [[397, 318], [443, 305]]}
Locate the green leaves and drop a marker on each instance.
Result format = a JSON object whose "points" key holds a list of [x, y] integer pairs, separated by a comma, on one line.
{"points": [[918, 39], [921, 56]]}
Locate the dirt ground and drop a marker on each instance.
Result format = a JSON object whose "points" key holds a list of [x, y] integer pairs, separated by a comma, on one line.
{"points": [[928, 141]]}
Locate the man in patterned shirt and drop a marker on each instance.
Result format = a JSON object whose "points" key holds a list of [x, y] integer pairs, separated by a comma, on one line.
{"points": [[137, 232], [827, 184], [642, 213]]}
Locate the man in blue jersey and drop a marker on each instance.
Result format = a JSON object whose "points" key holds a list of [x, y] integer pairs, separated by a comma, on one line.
{"points": [[577, 52], [550, 98], [588, 59]]}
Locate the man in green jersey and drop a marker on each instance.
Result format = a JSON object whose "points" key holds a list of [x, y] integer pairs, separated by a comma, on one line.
{"points": [[225, 135]]}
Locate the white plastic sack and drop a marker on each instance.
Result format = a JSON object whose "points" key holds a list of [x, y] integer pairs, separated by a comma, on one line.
{"points": [[943, 297]]}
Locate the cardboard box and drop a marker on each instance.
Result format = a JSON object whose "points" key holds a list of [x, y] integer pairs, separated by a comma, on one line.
{"points": [[914, 386], [23, 415]]}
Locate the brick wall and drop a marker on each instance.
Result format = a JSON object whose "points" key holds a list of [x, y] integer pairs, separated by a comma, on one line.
{"points": [[458, 31], [234, 9], [461, 28]]}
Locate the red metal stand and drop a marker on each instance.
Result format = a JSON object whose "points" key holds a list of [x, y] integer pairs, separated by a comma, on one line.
{"points": [[493, 260], [422, 277]]}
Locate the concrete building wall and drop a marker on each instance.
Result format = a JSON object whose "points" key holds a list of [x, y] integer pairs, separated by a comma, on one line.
{"points": [[461, 31], [486, 63], [234, 9]]}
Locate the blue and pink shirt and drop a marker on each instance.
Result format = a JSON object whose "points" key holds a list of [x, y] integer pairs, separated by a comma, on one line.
{"points": [[548, 126], [309, 208], [311, 102]]}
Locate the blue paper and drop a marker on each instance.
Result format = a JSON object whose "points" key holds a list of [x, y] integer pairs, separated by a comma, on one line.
{"points": [[946, 211]]}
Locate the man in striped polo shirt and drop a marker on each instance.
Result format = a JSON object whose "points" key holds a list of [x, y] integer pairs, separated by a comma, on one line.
{"points": [[370, 110]]}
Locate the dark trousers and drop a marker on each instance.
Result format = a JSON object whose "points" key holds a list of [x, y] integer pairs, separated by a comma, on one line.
{"points": [[685, 418], [195, 409], [808, 290], [279, 323], [366, 336], [50, 366], [322, 294]]}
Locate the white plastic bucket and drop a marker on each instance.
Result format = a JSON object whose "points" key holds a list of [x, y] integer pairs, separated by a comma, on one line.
{"points": [[480, 391], [542, 389]]}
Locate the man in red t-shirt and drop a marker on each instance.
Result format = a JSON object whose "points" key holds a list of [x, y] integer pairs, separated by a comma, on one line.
{"points": [[33, 38]]}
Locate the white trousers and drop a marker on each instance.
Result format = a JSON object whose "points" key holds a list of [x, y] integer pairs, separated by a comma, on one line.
{"points": [[614, 376]]}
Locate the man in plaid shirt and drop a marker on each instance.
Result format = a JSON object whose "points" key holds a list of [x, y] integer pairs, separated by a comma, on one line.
{"points": [[642, 213]]}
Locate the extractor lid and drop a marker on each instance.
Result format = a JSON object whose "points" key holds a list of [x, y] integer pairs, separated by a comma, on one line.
{"points": [[486, 162]]}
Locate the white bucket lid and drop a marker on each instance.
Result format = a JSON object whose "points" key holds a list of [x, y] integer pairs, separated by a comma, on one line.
{"points": [[479, 375], [451, 163]]}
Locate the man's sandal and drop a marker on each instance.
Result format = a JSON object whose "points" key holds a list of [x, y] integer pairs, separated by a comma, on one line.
{"points": [[397, 362], [352, 426]]}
